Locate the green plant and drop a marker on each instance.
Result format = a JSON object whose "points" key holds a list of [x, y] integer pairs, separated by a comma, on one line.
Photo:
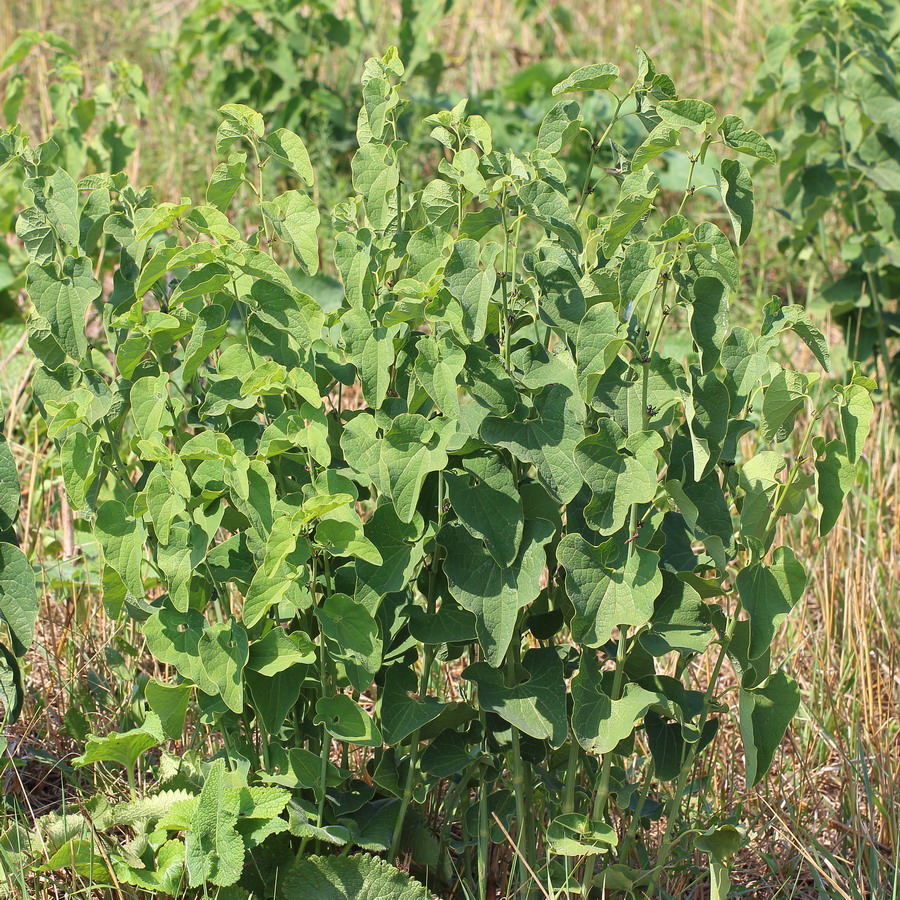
{"points": [[81, 130], [833, 71], [527, 445], [292, 61]]}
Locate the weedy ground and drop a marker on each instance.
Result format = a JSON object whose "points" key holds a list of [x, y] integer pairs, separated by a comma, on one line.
{"points": [[827, 824]]}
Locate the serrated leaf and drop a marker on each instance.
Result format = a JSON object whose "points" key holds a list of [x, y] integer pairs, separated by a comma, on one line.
{"points": [[213, 849], [349, 878]]}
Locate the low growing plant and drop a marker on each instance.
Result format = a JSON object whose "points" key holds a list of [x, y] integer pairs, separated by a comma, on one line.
{"points": [[459, 571]]}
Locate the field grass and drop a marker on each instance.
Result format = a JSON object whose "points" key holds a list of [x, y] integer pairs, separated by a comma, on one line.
{"points": [[827, 821]]}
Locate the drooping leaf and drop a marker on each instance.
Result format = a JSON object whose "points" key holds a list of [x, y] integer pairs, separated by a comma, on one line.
{"points": [[766, 712], [494, 593], [535, 705]]}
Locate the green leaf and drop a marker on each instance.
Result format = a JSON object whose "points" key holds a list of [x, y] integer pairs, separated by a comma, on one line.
{"points": [[296, 218], [836, 475], [693, 114], [550, 209], [709, 320], [123, 748], [240, 122], [766, 712], [206, 336], [223, 654], [768, 593], [397, 543], [617, 478], [574, 834], [487, 503], [712, 255], [273, 696], [353, 637], [438, 365], [57, 197], [588, 78], [606, 590], [494, 593], [737, 194], [401, 714], [547, 440], [149, 221], [122, 539], [170, 703], [598, 721], [346, 721], [290, 150], [562, 300], [412, 447], [348, 878], [18, 597], [63, 297], [213, 848], [226, 178], [785, 396], [600, 337], [631, 207], [471, 285], [857, 410], [278, 650], [535, 705], [680, 622], [662, 138], [737, 136], [560, 126]]}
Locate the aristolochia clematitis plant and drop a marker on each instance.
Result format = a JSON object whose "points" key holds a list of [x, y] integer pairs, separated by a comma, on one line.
{"points": [[465, 559]]}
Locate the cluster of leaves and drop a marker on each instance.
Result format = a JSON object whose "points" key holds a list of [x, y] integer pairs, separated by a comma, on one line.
{"points": [[291, 60], [18, 594], [834, 69], [86, 130], [527, 445]]}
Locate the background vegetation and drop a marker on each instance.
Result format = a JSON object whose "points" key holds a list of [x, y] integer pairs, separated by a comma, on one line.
{"points": [[135, 86]]}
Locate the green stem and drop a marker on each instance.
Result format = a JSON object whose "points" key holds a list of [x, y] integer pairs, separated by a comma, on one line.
{"points": [[674, 805], [424, 678], [483, 828], [568, 804], [517, 770], [596, 146]]}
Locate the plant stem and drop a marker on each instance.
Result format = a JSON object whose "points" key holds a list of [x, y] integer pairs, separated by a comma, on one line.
{"points": [[517, 770], [568, 804], [424, 678]]}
